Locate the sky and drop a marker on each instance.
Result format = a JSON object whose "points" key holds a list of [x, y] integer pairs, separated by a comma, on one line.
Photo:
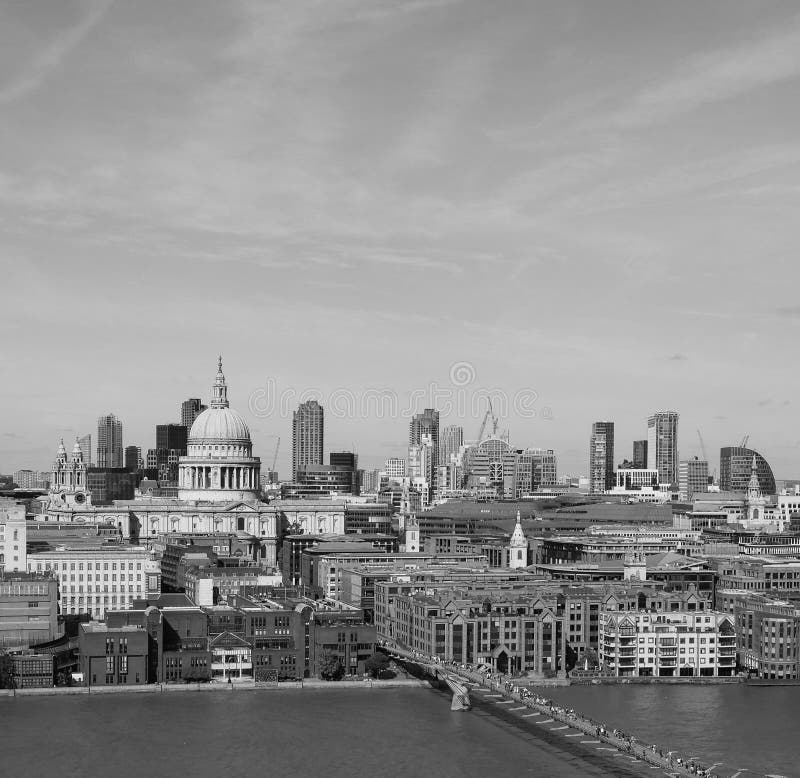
{"points": [[587, 209]]}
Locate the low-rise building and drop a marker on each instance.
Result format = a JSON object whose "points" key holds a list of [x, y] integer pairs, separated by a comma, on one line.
{"points": [[13, 536], [683, 643], [94, 580], [768, 634], [28, 610], [33, 671], [113, 656], [292, 548], [321, 565], [567, 549]]}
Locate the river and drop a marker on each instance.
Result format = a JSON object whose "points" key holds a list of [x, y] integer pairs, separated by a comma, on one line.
{"points": [[344, 732], [744, 727]]}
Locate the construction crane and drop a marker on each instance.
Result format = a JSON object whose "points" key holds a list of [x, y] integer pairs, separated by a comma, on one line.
{"points": [[469, 455], [275, 458], [489, 414], [702, 446]]}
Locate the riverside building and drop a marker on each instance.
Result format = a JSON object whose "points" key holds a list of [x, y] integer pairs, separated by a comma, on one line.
{"points": [[647, 643]]}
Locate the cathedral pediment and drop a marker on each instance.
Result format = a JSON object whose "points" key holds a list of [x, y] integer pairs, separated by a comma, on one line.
{"points": [[241, 507]]}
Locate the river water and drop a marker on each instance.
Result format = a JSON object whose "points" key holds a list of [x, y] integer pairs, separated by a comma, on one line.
{"points": [[385, 732], [346, 732], [744, 727]]}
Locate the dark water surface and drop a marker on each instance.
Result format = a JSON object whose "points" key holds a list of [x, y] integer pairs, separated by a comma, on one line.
{"points": [[745, 727], [388, 732]]}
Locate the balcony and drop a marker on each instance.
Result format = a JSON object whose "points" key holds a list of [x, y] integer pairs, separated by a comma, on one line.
{"points": [[627, 652], [666, 661], [668, 651]]}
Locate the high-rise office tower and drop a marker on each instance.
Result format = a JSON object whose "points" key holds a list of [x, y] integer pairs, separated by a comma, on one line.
{"points": [[601, 473], [85, 445], [426, 423], [109, 442], [735, 470], [308, 427], [133, 455], [598, 456], [451, 438], [190, 410], [536, 467], [692, 477], [662, 445], [171, 436], [640, 454]]}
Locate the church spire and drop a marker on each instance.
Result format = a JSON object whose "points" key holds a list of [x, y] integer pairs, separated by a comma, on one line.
{"points": [[219, 398], [754, 487]]}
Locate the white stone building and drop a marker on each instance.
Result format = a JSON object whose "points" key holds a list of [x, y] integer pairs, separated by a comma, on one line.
{"points": [[683, 643]]}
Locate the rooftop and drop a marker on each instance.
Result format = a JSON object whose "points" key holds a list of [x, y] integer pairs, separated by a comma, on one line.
{"points": [[99, 626]]}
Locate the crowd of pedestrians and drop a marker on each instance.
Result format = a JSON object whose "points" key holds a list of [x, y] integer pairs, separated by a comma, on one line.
{"points": [[653, 754]]}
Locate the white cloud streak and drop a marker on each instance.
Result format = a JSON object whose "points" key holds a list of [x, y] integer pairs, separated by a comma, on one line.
{"points": [[51, 57]]}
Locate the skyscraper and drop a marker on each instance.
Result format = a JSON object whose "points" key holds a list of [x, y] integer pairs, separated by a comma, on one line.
{"points": [[640, 454], [171, 436], [426, 423], [451, 438], [132, 456], [662, 445], [109, 441], [85, 445], [692, 477], [598, 456], [308, 427], [735, 470], [601, 473], [190, 410]]}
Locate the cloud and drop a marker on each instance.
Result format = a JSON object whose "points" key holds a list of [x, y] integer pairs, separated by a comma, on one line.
{"points": [[763, 403], [678, 358], [715, 76], [49, 60]]}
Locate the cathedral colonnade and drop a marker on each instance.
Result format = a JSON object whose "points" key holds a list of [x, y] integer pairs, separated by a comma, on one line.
{"points": [[229, 476]]}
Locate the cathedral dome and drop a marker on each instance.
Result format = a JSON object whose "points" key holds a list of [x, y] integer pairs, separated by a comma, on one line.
{"points": [[219, 465], [219, 425]]}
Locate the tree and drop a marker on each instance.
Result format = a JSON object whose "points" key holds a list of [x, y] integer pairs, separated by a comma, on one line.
{"points": [[330, 668], [377, 663], [197, 675], [7, 672]]}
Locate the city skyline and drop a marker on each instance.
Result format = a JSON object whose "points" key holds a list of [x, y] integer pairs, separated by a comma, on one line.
{"points": [[251, 412], [519, 161]]}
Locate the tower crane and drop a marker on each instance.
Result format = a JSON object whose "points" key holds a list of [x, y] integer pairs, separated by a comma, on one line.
{"points": [[275, 458], [468, 457], [702, 446], [489, 414]]}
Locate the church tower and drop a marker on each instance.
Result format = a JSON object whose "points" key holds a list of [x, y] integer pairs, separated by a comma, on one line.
{"points": [[412, 539], [68, 483], [518, 547], [755, 499]]}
